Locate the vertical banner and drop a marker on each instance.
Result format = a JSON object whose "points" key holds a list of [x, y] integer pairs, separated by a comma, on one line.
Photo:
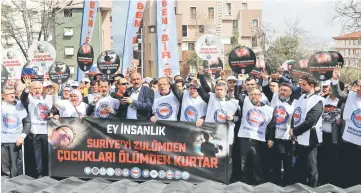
{"points": [[167, 42], [135, 16], [90, 8]]}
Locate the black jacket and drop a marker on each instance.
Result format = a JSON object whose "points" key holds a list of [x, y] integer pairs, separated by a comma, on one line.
{"points": [[143, 105], [310, 121]]}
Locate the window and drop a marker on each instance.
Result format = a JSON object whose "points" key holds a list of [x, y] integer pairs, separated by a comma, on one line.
{"points": [[349, 52], [349, 42], [193, 12], [359, 42], [68, 12], [228, 9], [355, 42], [69, 51], [244, 6], [111, 18], [210, 12], [255, 24], [254, 41], [201, 28], [184, 30], [175, 10], [191, 46], [235, 25], [68, 31]]}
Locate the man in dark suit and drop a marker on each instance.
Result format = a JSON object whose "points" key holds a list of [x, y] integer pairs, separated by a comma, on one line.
{"points": [[138, 101]]}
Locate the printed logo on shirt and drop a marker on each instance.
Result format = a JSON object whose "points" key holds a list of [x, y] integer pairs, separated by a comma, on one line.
{"points": [[220, 116], [255, 118], [281, 115], [101, 112], [356, 118], [41, 112], [191, 114], [11, 121], [297, 115], [164, 110]]}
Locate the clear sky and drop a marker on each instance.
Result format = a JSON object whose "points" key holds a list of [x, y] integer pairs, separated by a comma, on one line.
{"points": [[315, 17]]}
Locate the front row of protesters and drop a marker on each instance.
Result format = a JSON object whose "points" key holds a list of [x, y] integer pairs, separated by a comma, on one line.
{"points": [[283, 132]]}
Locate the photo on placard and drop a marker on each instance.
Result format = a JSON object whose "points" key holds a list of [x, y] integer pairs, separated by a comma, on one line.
{"points": [[242, 60], [59, 73], [338, 57], [85, 57], [108, 62], [322, 64], [13, 61], [214, 65], [208, 47], [299, 69], [33, 72]]}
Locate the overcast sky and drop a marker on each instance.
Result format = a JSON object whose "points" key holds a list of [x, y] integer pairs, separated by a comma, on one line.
{"points": [[315, 17]]}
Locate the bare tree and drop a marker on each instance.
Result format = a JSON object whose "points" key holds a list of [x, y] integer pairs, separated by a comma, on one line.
{"points": [[25, 21], [293, 28], [348, 13]]}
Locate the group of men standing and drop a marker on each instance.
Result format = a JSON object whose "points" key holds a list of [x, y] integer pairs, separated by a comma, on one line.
{"points": [[272, 125]]}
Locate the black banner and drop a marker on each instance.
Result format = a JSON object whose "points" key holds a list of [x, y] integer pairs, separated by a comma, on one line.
{"points": [[139, 150]]}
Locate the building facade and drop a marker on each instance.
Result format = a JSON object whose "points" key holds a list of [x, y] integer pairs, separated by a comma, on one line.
{"points": [[349, 46], [68, 28], [195, 18]]}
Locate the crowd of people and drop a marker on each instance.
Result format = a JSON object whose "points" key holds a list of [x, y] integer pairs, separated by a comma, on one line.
{"points": [[282, 131]]}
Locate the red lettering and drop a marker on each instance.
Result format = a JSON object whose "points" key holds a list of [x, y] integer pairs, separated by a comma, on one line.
{"points": [[140, 6], [134, 40], [164, 12], [90, 23], [137, 23], [92, 4], [165, 20], [91, 13], [164, 3], [139, 14], [166, 54], [165, 38]]}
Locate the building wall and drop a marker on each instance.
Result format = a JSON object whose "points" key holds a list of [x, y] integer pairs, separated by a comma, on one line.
{"points": [[350, 50], [101, 38]]}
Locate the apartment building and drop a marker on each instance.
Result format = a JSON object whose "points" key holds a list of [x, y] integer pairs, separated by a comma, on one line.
{"points": [[196, 18], [68, 28], [349, 46]]}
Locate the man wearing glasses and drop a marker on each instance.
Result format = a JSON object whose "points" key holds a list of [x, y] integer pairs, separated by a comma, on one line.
{"points": [[61, 137], [15, 126], [139, 99]]}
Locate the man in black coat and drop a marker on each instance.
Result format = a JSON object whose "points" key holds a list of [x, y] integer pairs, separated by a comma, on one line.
{"points": [[137, 100]]}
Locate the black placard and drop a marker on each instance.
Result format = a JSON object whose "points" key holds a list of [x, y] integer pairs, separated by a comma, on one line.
{"points": [[338, 57], [216, 66], [59, 73], [139, 150], [85, 57], [299, 69], [242, 60], [108, 62], [321, 65], [4, 75], [33, 72]]}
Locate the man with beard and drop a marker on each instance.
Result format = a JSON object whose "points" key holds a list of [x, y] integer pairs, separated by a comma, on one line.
{"points": [[166, 106], [15, 126], [38, 109], [350, 154], [103, 104], [252, 133], [306, 129], [278, 135]]}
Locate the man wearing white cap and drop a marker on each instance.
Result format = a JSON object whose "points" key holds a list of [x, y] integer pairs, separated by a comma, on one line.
{"points": [[74, 84], [231, 84]]}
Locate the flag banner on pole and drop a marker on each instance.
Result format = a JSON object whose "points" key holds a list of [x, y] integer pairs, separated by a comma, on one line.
{"points": [[139, 150], [90, 9], [135, 16], [167, 42]]}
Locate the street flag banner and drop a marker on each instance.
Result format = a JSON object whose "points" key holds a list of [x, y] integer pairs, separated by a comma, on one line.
{"points": [[90, 8], [167, 42], [135, 16], [139, 150]]}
